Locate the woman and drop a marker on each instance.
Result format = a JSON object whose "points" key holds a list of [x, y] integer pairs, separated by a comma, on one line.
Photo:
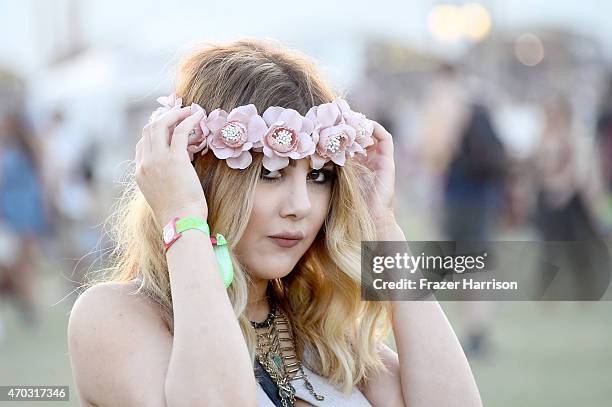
{"points": [[165, 331], [23, 214], [568, 185]]}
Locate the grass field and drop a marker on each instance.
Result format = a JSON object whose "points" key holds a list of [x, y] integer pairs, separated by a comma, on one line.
{"points": [[552, 354]]}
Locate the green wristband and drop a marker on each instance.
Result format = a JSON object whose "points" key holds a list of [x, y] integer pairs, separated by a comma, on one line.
{"points": [[220, 247], [192, 222], [223, 259]]}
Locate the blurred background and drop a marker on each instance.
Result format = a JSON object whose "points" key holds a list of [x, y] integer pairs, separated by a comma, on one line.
{"points": [[501, 114]]}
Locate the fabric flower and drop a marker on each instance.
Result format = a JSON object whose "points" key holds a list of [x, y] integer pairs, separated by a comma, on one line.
{"points": [[333, 137], [288, 136], [233, 135], [331, 131], [364, 127], [167, 103], [198, 142]]}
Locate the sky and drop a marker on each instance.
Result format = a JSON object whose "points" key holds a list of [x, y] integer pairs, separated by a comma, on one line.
{"points": [[29, 29]]}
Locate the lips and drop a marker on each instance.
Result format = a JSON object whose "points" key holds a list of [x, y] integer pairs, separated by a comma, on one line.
{"points": [[289, 235], [285, 242], [287, 239]]}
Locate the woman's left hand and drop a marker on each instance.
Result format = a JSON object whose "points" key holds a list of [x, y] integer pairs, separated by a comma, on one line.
{"points": [[380, 160]]}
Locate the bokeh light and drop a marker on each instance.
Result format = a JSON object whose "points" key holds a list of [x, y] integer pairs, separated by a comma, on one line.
{"points": [[451, 23], [445, 22], [529, 49], [476, 21]]}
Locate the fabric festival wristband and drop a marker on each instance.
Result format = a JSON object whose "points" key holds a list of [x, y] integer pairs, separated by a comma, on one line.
{"points": [[223, 258], [173, 231]]}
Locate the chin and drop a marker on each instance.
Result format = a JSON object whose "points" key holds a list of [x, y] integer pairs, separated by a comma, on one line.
{"points": [[271, 271]]}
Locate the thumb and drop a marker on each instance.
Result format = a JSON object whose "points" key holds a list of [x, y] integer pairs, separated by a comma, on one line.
{"points": [[185, 130]]}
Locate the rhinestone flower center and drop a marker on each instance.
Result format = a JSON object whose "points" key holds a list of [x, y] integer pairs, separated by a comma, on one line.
{"points": [[334, 142], [283, 139], [233, 134]]}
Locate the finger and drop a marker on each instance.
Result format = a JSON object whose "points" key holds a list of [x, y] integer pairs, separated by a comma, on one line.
{"points": [[138, 157], [146, 142], [180, 137], [383, 139], [361, 158], [160, 128]]}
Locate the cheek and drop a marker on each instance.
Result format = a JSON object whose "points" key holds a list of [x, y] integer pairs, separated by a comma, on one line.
{"points": [[247, 246], [321, 204], [261, 215], [257, 220], [263, 204]]}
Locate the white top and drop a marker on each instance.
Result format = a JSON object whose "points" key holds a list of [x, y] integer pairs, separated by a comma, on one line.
{"points": [[322, 386]]}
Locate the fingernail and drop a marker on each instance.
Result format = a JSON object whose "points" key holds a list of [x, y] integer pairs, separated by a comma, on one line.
{"points": [[195, 108]]}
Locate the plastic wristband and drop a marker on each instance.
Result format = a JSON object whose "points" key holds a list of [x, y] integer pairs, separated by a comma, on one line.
{"points": [[174, 229]]}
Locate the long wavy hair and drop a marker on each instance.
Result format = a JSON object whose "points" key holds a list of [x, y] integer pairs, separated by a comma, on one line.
{"points": [[322, 294]]}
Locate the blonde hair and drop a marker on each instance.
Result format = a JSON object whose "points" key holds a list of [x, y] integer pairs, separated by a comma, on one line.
{"points": [[322, 293]]}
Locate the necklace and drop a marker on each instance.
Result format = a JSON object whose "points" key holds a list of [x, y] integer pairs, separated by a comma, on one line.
{"points": [[269, 319], [280, 362]]}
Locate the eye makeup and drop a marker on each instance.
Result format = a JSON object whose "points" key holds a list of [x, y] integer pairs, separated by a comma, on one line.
{"points": [[321, 176]]}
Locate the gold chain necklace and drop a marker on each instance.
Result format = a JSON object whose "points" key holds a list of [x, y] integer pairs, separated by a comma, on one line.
{"points": [[276, 353]]}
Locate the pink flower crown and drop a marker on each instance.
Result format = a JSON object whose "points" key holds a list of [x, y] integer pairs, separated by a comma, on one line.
{"points": [[330, 131]]}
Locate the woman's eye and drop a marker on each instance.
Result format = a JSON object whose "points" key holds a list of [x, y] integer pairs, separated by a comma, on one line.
{"points": [[317, 176], [320, 176], [270, 175]]}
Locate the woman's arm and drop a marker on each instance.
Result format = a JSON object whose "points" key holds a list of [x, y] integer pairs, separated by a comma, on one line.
{"points": [[207, 362], [433, 368], [209, 359], [122, 353]]}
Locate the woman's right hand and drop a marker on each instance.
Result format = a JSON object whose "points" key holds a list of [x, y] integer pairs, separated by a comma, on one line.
{"points": [[164, 172]]}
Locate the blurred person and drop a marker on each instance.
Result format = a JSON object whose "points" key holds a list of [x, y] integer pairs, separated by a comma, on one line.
{"points": [[473, 201], [475, 179], [290, 329], [604, 140], [443, 114], [22, 213], [519, 124], [70, 162], [567, 185]]}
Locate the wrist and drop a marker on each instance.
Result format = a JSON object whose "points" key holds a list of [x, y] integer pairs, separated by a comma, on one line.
{"points": [[385, 220], [189, 210], [387, 227], [185, 220]]}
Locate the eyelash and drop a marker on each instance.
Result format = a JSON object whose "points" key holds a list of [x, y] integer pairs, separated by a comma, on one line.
{"points": [[329, 176]]}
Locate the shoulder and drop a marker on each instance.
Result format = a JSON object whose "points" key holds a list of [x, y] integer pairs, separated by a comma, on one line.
{"points": [[112, 295], [118, 345], [385, 389], [112, 305]]}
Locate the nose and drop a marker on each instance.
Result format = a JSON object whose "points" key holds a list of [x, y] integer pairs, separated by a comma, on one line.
{"points": [[297, 202]]}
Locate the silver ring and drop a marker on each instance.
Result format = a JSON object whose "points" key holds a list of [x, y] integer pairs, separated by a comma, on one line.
{"points": [[191, 133]]}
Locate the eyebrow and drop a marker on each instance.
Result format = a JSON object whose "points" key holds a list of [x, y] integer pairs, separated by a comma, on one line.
{"points": [[329, 165]]}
